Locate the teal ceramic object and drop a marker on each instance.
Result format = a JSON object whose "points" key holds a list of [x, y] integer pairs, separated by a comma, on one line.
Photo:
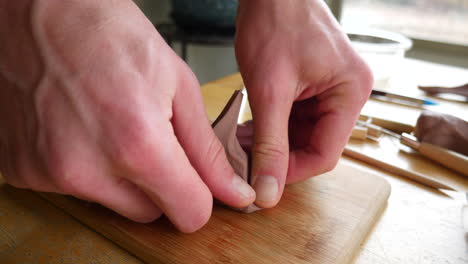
{"points": [[205, 13]]}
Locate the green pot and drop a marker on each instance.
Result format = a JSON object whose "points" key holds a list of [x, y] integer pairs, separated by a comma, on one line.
{"points": [[205, 14]]}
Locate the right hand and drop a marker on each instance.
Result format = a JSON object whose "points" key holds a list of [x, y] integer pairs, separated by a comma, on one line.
{"points": [[306, 87], [99, 107]]}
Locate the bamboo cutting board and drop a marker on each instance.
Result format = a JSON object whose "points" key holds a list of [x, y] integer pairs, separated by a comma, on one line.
{"points": [[322, 220]]}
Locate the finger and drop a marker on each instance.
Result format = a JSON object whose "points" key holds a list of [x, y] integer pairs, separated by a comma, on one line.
{"points": [[84, 170], [21, 170], [121, 196], [271, 107], [156, 163], [205, 151], [85, 175], [338, 109]]}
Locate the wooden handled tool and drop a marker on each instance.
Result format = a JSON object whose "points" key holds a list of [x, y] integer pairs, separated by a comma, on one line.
{"points": [[372, 130], [366, 130], [447, 158], [359, 132], [460, 90], [450, 159]]}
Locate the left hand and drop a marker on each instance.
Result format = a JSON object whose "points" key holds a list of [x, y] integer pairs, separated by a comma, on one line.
{"points": [[95, 104], [306, 88]]}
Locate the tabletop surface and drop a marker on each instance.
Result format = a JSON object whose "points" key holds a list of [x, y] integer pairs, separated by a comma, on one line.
{"points": [[419, 224]]}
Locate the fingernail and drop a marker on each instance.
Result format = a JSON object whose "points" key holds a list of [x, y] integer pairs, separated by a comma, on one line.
{"points": [[266, 188], [242, 187]]}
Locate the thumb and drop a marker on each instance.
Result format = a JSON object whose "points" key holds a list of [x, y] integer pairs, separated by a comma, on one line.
{"points": [[271, 108], [205, 151]]}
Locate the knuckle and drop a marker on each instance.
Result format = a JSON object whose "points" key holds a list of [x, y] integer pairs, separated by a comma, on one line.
{"points": [[360, 74], [271, 147], [67, 178], [326, 161], [66, 183], [131, 148], [364, 75], [330, 165]]}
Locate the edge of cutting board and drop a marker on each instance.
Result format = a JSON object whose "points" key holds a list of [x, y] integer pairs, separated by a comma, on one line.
{"points": [[140, 240]]}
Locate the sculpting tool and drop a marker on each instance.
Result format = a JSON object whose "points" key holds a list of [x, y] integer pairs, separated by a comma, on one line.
{"points": [[445, 157], [460, 90], [401, 99], [359, 132]]}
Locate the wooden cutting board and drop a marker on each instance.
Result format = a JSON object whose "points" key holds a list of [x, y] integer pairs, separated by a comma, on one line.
{"points": [[322, 220]]}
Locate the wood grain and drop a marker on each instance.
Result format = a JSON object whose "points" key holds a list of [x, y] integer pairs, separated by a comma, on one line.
{"points": [[34, 231], [417, 177], [419, 224], [322, 220], [388, 154]]}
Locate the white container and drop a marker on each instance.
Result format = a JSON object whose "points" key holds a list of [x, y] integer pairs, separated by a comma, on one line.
{"points": [[382, 50]]}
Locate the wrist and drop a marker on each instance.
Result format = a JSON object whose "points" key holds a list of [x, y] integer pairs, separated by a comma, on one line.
{"points": [[287, 10]]}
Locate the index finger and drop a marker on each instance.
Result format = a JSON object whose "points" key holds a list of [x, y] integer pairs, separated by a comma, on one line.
{"points": [[153, 159], [337, 110]]}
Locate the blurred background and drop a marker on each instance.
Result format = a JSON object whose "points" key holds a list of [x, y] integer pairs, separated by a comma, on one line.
{"points": [[199, 30], [209, 62]]}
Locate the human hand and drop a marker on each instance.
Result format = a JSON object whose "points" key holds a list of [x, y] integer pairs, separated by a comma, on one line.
{"points": [[306, 88], [99, 107]]}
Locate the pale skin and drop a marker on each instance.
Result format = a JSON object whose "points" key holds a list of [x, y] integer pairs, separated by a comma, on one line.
{"points": [[93, 103]]}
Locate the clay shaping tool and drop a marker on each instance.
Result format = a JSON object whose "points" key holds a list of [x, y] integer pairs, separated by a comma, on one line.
{"points": [[401, 99], [445, 157], [359, 132], [460, 90], [420, 178]]}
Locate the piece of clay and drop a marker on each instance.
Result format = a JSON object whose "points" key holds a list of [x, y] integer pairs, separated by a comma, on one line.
{"points": [[225, 127], [443, 130]]}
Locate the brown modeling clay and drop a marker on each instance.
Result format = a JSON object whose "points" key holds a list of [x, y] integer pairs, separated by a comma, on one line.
{"points": [[443, 130], [225, 127]]}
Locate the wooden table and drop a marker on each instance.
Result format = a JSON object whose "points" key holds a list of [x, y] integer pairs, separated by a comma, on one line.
{"points": [[419, 225]]}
